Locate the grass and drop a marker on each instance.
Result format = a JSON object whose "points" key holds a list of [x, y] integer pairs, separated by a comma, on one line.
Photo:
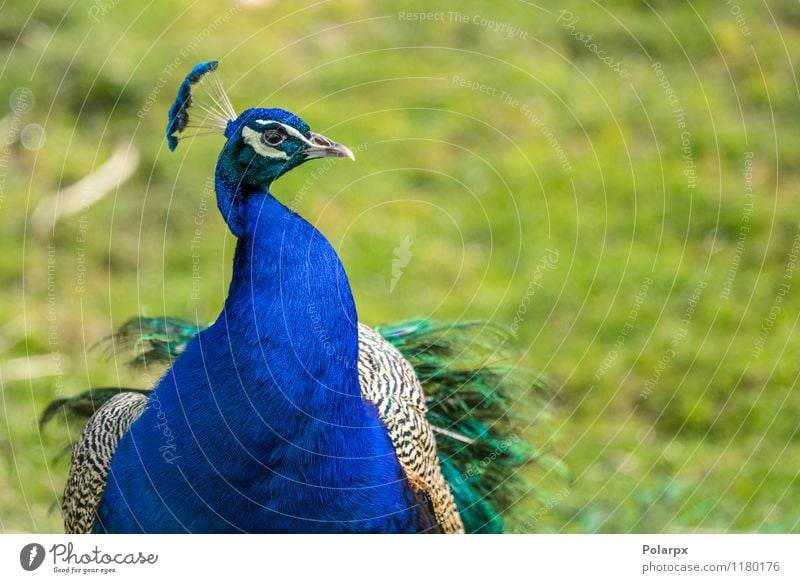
{"points": [[666, 322]]}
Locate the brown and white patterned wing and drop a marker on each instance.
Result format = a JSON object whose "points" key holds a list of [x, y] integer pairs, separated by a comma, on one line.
{"points": [[389, 381], [91, 458]]}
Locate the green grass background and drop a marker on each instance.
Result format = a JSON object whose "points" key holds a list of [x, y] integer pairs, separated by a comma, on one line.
{"points": [[483, 189]]}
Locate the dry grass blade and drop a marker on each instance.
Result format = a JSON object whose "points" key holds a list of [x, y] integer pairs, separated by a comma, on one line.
{"points": [[113, 173]]}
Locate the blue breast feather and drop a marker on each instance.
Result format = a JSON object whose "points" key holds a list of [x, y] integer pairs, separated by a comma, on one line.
{"points": [[256, 427]]}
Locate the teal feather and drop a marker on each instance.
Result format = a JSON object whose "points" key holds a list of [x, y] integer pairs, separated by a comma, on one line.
{"points": [[152, 340], [476, 390], [477, 514]]}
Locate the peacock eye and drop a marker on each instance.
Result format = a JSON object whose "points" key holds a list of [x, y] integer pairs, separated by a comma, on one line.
{"points": [[273, 136]]}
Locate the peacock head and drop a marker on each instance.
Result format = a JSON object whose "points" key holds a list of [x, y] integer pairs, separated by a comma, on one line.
{"points": [[262, 144]]}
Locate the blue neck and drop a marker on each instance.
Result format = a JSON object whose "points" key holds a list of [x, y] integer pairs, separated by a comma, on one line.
{"points": [[291, 307], [260, 425], [241, 174], [230, 187]]}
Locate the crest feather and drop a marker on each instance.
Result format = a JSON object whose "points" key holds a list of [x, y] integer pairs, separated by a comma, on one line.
{"points": [[211, 110]]}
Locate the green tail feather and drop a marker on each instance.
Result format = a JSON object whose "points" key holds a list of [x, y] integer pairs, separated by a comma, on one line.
{"points": [[82, 406], [475, 390], [152, 340], [477, 514], [480, 402]]}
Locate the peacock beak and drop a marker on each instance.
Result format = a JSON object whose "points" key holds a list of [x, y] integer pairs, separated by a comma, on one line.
{"points": [[322, 147]]}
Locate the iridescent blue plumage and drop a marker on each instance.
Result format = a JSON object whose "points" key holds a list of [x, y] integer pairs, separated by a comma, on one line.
{"points": [[264, 432], [285, 414], [267, 430]]}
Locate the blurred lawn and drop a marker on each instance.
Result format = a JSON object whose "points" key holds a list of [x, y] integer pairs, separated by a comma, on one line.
{"points": [[666, 323]]}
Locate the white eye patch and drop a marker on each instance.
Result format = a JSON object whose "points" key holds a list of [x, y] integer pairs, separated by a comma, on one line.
{"points": [[289, 130], [253, 139]]}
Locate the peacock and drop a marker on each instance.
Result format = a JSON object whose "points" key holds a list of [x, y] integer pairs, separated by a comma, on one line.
{"points": [[286, 414]]}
